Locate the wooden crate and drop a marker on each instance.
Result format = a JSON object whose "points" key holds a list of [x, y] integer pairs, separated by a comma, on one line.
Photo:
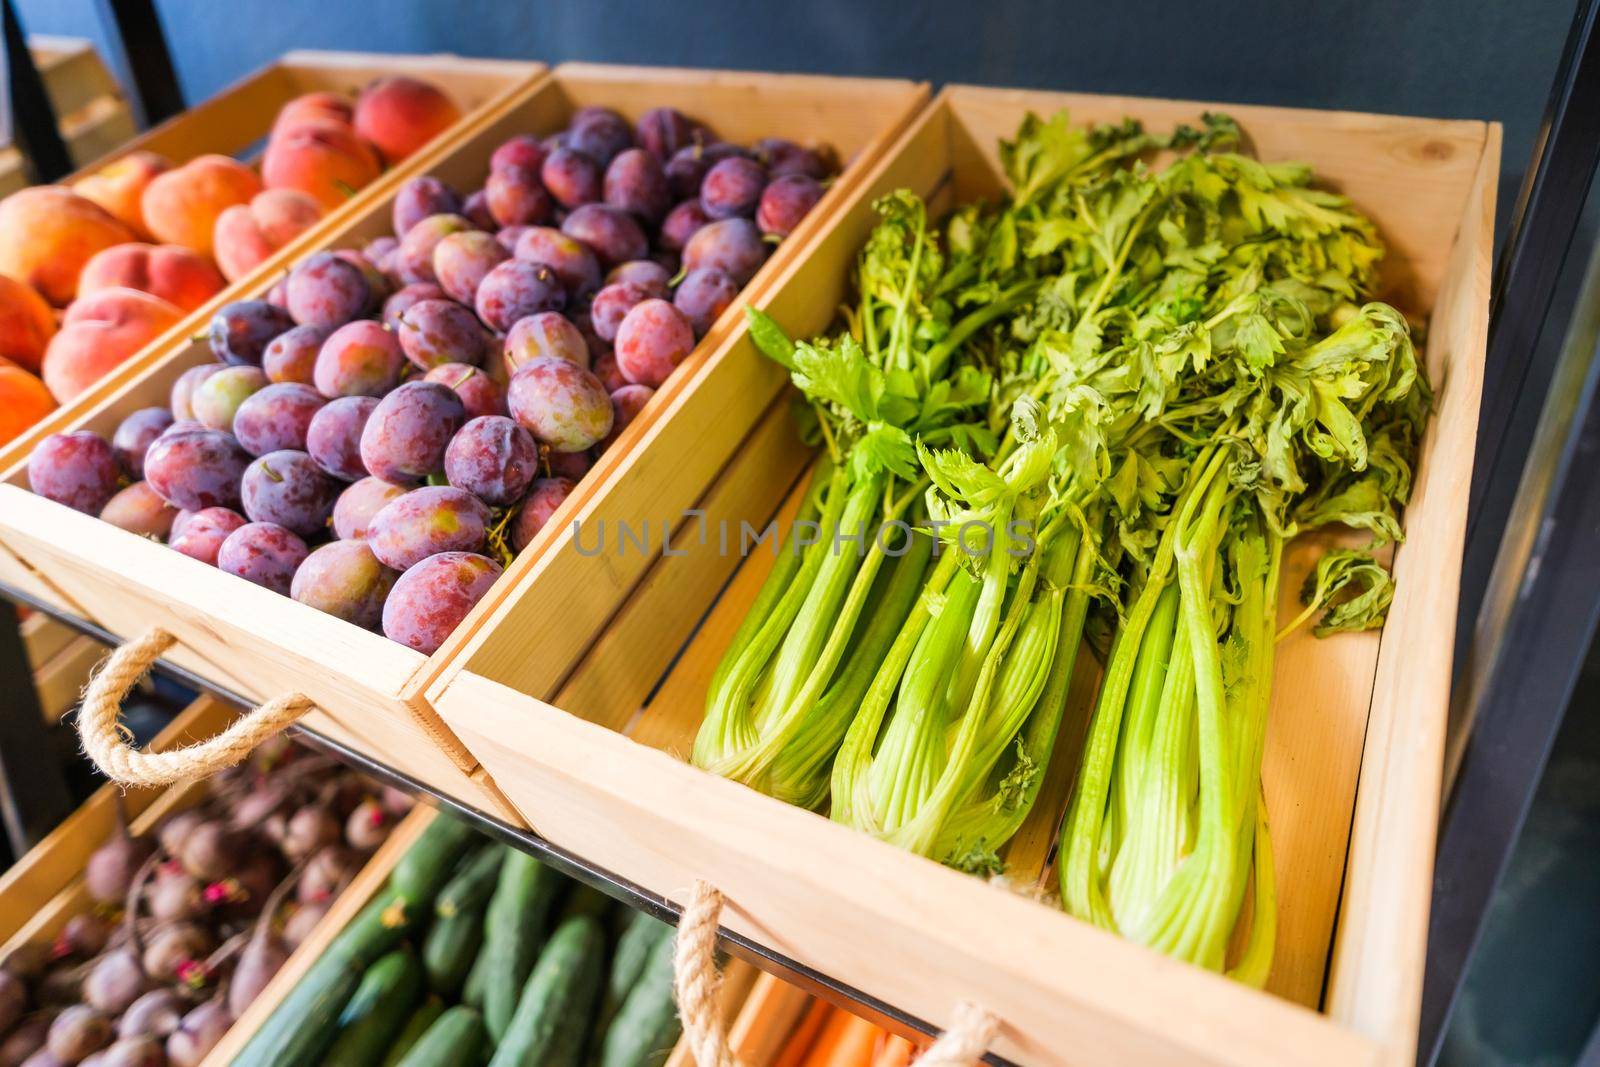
{"points": [[235, 122], [1353, 758], [93, 116], [55, 863], [372, 690]]}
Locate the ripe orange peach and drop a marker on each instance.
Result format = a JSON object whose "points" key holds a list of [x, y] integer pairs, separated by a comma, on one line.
{"points": [[248, 233], [48, 233], [23, 401], [324, 160], [401, 114], [26, 324], [119, 187], [178, 275], [182, 205], [314, 108], [99, 332]]}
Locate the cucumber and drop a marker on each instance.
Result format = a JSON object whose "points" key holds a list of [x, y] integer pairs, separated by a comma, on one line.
{"points": [[552, 1016], [377, 1010], [628, 962], [305, 1022], [645, 1029], [472, 992], [429, 862], [449, 951], [412, 1032], [513, 932], [472, 885], [456, 1039], [584, 900]]}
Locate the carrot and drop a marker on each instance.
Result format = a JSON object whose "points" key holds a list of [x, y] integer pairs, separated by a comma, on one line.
{"points": [[804, 1036], [896, 1052], [852, 1047]]}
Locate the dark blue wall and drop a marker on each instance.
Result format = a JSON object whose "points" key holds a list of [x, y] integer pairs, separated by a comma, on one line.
{"points": [[1485, 59]]}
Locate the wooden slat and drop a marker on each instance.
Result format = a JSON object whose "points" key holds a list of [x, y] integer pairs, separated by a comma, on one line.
{"points": [[43, 637], [61, 680]]}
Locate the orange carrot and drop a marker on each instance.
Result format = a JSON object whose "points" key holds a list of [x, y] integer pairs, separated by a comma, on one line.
{"points": [[896, 1052], [804, 1036], [852, 1049]]}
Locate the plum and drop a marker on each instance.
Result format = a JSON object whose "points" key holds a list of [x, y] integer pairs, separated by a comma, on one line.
{"points": [[636, 183], [327, 290], [663, 131], [548, 333], [344, 579], [647, 274], [476, 210], [430, 600], [542, 500], [516, 289], [612, 234], [732, 188], [287, 487], [201, 535], [686, 170], [492, 458], [571, 259], [434, 332], [680, 225], [462, 260], [515, 196], [733, 246], [426, 522], [275, 417], [703, 295], [263, 553], [240, 332], [626, 403], [405, 438], [217, 399], [783, 158], [612, 304], [196, 469], [139, 509], [413, 260], [653, 339], [360, 501], [521, 150], [405, 297], [572, 177], [292, 355], [599, 133], [560, 403], [479, 393], [183, 389], [360, 358], [333, 437], [134, 435], [785, 202], [605, 368], [421, 197]]}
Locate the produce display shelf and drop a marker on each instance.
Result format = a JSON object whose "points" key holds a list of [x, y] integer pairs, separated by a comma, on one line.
{"points": [[567, 861], [235, 122]]}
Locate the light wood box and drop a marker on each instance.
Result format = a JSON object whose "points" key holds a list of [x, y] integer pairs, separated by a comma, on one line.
{"points": [[235, 122], [371, 690], [1353, 761]]}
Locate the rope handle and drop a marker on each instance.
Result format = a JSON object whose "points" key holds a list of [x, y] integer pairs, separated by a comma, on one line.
{"points": [[697, 983], [105, 739]]}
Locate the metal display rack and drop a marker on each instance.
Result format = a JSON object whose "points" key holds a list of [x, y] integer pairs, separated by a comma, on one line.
{"points": [[1538, 616]]}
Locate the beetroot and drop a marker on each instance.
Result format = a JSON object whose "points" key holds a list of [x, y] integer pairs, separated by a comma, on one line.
{"points": [[177, 894], [175, 829], [86, 934], [173, 948], [310, 828], [13, 1000], [130, 1052], [29, 961], [198, 1033], [303, 921], [211, 851], [327, 872], [367, 826], [25, 1039], [111, 867], [77, 1033], [115, 981], [263, 956], [156, 1014]]}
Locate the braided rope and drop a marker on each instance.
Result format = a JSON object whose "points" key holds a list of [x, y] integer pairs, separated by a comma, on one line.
{"points": [[696, 981], [105, 740], [971, 1033]]}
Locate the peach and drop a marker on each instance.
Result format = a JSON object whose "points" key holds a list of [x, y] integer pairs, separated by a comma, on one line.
{"points": [[26, 324], [99, 332], [23, 401], [182, 205], [324, 160], [247, 234], [401, 114], [178, 275], [48, 233], [314, 108], [119, 187]]}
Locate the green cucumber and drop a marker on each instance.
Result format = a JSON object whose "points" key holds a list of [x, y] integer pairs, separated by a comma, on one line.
{"points": [[473, 883], [415, 1027], [305, 1022], [431, 859], [628, 961], [585, 900], [377, 1011], [513, 932], [456, 1039], [449, 951], [472, 992], [645, 1029], [552, 1016]]}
